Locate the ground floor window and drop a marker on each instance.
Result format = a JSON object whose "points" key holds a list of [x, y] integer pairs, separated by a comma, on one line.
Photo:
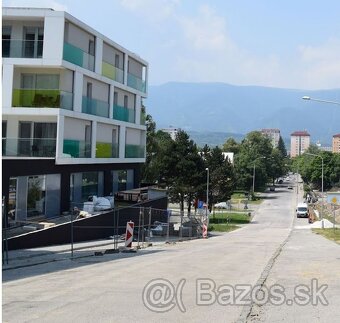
{"points": [[32, 196], [85, 185], [122, 180]]}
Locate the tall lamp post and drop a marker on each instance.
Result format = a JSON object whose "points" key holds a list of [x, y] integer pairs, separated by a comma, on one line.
{"points": [[321, 184], [308, 98], [206, 211]]}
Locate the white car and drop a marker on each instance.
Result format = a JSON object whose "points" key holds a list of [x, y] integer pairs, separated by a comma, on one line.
{"points": [[221, 205]]}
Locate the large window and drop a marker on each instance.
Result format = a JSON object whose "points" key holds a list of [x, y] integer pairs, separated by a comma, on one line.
{"points": [[85, 185], [33, 46], [40, 81]]}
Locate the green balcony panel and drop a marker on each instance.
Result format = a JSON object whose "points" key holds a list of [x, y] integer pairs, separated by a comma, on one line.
{"points": [[95, 107], [78, 57], [108, 70], [106, 150], [134, 151], [42, 98], [77, 148], [123, 114], [29, 147]]}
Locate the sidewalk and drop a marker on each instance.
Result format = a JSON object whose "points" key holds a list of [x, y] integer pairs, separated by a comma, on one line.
{"points": [[305, 257]]}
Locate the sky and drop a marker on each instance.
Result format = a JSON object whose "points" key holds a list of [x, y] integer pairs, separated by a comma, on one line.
{"points": [[288, 44]]}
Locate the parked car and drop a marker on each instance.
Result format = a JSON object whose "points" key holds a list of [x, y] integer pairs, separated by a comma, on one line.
{"points": [[290, 187]]}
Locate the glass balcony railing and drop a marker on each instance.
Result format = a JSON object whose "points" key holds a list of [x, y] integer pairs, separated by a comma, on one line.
{"points": [[19, 48], [136, 83], [112, 72], [78, 57], [77, 148], [123, 114], [107, 150], [29, 147], [95, 107], [42, 98], [134, 151]]}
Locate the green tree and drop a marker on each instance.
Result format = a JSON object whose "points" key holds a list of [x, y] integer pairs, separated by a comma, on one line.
{"points": [[282, 147], [231, 145]]}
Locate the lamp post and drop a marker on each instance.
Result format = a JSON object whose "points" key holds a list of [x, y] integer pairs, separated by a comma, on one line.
{"points": [[206, 211], [321, 184], [308, 98]]}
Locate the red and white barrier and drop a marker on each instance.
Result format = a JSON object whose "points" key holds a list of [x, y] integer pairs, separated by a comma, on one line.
{"points": [[129, 234]]}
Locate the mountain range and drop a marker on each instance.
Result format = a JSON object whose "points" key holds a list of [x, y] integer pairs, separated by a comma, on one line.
{"points": [[200, 108]]}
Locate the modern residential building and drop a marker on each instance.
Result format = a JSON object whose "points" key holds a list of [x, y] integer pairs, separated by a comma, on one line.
{"points": [[73, 120], [299, 142], [273, 134], [323, 148], [171, 131], [336, 143]]}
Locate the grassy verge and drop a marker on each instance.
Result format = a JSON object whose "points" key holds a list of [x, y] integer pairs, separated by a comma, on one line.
{"points": [[330, 234], [223, 227], [229, 218], [225, 222]]}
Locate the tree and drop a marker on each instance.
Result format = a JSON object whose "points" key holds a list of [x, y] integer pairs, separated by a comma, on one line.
{"points": [[282, 148], [255, 149], [231, 145], [221, 176]]}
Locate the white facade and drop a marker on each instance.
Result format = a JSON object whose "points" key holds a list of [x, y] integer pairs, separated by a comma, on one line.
{"points": [[45, 45], [71, 96]]}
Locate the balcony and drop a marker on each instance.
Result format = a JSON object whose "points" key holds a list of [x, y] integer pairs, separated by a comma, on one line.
{"points": [[29, 147], [107, 150], [39, 98], [19, 48], [134, 151], [112, 72], [77, 148], [78, 57], [95, 107], [136, 83], [123, 114]]}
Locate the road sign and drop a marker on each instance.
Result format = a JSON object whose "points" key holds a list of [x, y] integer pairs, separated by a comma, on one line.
{"points": [[129, 234]]}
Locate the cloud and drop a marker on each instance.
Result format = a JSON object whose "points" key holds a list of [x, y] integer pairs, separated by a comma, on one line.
{"points": [[35, 4]]}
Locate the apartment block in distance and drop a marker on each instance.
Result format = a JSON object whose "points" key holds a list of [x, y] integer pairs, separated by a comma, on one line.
{"points": [[273, 135], [299, 142], [336, 143], [73, 120]]}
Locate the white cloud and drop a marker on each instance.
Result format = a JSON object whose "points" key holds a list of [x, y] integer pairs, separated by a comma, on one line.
{"points": [[35, 4]]}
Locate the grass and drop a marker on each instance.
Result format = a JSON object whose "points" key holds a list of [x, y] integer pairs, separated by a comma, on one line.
{"points": [[330, 234], [229, 218], [223, 227]]}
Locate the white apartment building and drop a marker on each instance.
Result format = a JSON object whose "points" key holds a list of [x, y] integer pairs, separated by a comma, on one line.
{"points": [[299, 142], [171, 131], [273, 135], [73, 120]]}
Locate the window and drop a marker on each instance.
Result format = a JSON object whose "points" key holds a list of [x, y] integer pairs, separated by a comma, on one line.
{"points": [[6, 41], [117, 60], [33, 45], [91, 47], [115, 98], [40, 81], [126, 101]]}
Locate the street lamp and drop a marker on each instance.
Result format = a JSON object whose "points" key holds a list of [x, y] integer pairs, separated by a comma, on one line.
{"points": [[321, 184], [308, 98]]}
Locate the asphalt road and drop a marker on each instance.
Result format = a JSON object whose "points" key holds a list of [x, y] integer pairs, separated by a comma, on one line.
{"points": [[170, 283]]}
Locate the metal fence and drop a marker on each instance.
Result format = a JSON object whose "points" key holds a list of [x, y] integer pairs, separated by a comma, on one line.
{"points": [[150, 227]]}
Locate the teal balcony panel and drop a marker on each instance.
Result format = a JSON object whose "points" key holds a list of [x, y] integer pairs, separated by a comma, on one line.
{"points": [[123, 114], [77, 56], [95, 107], [77, 148], [136, 83], [134, 151]]}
